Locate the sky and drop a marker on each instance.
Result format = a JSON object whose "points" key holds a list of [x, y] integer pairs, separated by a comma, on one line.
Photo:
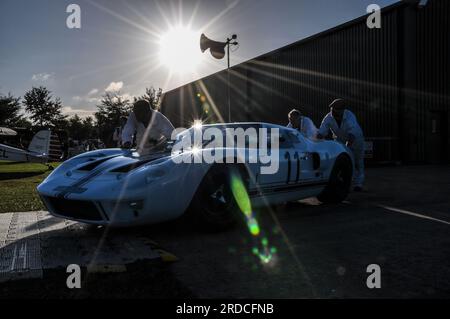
{"points": [[125, 46]]}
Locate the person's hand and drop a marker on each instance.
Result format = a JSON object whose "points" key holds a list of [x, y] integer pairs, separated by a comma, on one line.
{"points": [[126, 145], [351, 139]]}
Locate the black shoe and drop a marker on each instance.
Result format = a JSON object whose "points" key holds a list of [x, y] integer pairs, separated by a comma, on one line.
{"points": [[357, 189]]}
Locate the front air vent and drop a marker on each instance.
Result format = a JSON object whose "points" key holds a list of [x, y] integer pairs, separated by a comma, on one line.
{"points": [[92, 165], [129, 167], [76, 209]]}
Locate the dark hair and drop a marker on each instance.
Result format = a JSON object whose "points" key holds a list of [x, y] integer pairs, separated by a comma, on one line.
{"points": [[296, 112], [338, 104], [141, 105]]}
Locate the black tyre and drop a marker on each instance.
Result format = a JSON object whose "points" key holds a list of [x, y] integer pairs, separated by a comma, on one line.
{"points": [[339, 183], [214, 207]]}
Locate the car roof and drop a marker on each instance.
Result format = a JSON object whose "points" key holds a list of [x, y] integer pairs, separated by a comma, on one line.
{"points": [[245, 124]]}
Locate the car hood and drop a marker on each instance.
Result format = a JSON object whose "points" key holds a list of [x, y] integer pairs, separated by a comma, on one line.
{"points": [[105, 165]]}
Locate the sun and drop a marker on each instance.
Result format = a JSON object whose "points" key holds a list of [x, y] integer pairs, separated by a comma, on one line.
{"points": [[179, 49]]}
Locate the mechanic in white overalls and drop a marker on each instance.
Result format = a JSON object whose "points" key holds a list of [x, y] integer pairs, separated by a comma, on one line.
{"points": [[152, 129], [302, 123], [346, 130]]}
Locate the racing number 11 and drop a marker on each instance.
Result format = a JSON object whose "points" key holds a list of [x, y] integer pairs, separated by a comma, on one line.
{"points": [[296, 157]]}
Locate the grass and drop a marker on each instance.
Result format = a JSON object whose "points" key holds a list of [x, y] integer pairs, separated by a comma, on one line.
{"points": [[18, 182]]}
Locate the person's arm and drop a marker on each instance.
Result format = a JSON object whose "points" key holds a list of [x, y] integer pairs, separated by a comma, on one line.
{"points": [[128, 131], [165, 126], [352, 126], [310, 128], [324, 129]]}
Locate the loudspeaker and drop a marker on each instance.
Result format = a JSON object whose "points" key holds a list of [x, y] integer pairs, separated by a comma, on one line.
{"points": [[216, 48]]}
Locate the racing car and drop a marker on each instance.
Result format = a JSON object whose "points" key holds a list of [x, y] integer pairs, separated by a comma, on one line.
{"points": [[119, 187]]}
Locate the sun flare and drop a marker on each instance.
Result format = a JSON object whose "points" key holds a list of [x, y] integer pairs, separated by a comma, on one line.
{"points": [[179, 49]]}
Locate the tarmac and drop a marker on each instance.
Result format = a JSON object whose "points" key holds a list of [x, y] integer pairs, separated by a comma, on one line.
{"points": [[401, 222]]}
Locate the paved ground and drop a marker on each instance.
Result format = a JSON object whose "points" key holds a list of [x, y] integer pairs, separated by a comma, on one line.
{"points": [[36, 248], [401, 222], [323, 251], [35, 241]]}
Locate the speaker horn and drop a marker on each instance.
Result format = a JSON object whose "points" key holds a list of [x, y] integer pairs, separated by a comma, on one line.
{"points": [[216, 48]]}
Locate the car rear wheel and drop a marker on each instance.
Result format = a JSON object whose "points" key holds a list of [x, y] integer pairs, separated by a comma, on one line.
{"points": [[214, 207], [339, 183]]}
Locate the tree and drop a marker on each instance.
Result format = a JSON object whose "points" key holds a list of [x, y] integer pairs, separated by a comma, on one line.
{"points": [[89, 127], [80, 129], [44, 109], [112, 106], [23, 123], [9, 110], [75, 127], [153, 96]]}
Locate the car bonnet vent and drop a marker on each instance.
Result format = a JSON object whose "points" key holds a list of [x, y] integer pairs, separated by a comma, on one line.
{"points": [[129, 167], [93, 165]]}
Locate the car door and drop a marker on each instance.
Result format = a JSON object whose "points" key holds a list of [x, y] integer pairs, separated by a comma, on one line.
{"points": [[285, 163], [303, 159]]}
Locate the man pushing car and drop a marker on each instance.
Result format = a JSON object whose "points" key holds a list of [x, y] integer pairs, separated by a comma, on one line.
{"points": [[344, 126], [151, 127]]}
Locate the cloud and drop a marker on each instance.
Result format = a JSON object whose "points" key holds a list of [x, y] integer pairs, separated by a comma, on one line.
{"points": [[42, 77], [71, 111], [92, 92], [114, 86], [86, 98], [90, 97]]}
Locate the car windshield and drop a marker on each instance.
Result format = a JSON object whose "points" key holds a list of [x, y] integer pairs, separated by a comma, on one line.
{"points": [[244, 135], [211, 136]]}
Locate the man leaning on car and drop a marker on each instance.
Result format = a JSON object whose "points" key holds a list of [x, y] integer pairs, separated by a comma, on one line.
{"points": [[344, 126], [152, 128], [302, 123]]}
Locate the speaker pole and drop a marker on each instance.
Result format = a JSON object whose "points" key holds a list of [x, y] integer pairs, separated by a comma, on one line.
{"points": [[217, 50], [228, 80]]}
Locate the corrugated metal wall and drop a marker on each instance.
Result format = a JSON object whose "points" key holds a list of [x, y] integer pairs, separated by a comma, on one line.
{"points": [[391, 76], [433, 75]]}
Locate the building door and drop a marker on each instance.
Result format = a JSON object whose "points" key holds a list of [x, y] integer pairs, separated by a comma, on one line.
{"points": [[437, 138]]}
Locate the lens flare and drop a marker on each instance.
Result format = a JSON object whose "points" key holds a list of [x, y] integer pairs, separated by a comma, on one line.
{"points": [[198, 124], [179, 49], [264, 253]]}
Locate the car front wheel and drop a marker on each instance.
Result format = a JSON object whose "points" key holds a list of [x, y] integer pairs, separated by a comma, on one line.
{"points": [[214, 207]]}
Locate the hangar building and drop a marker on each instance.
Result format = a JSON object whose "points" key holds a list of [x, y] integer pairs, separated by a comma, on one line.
{"points": [[396, 78]]}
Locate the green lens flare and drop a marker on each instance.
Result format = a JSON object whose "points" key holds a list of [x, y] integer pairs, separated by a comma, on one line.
{"points": [[240, 194], [265, 242], [254, 227]]}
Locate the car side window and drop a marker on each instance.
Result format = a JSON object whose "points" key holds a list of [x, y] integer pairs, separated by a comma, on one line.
{"points": [[294, 137], [286, 139]]}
